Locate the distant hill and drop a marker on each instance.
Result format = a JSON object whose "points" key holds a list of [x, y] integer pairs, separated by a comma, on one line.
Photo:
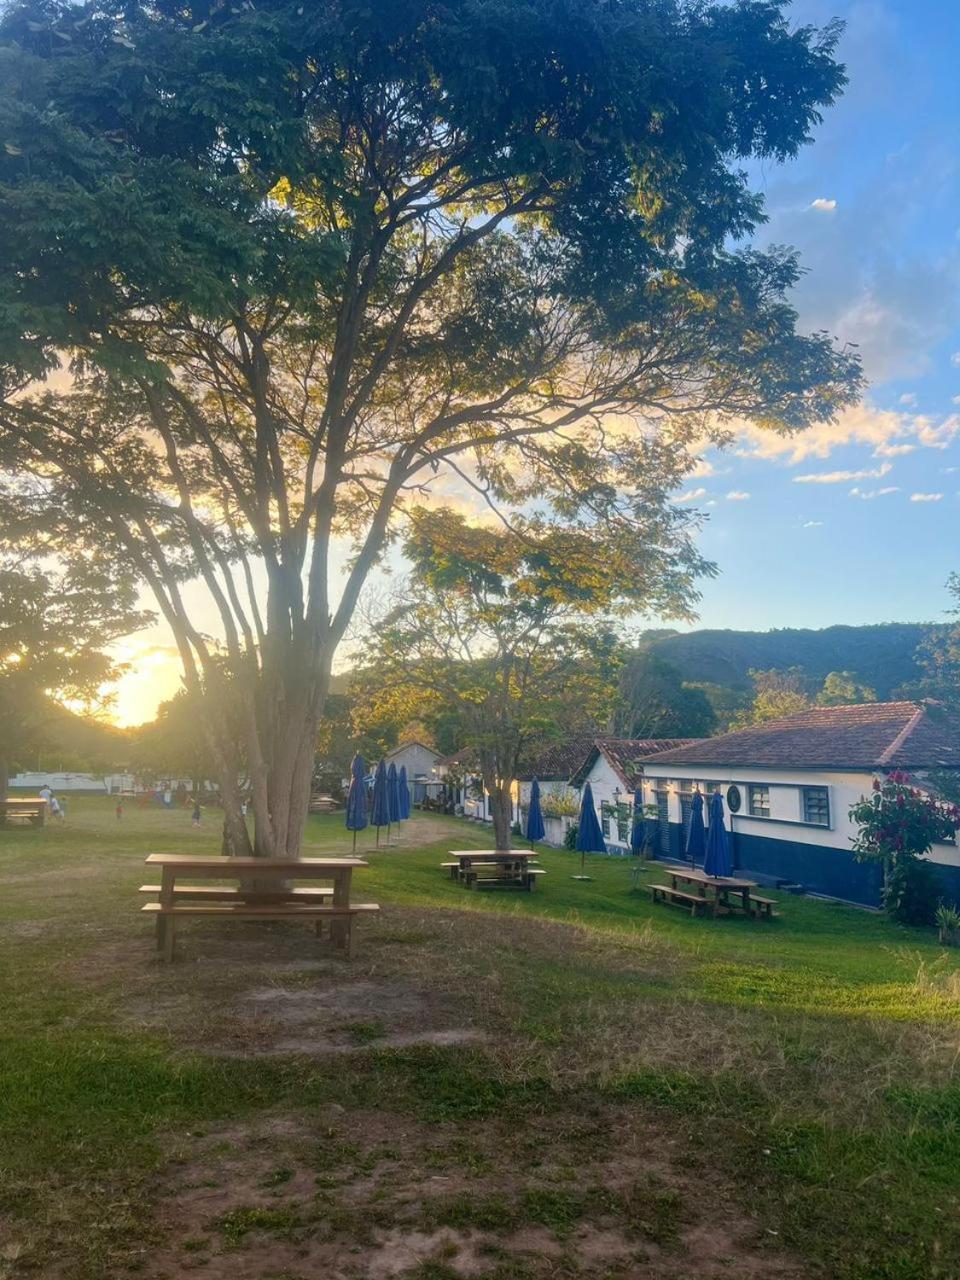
{"points": [[884, 656], [79, 742]]}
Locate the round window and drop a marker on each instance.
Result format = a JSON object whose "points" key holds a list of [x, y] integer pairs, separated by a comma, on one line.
{"points": [[733, 799]]}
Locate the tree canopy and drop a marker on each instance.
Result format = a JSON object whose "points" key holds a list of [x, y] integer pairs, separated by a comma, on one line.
{"points": [[305, 261], [504, 632], [56, 626]]}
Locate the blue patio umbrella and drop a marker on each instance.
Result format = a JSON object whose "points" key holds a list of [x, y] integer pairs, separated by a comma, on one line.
{"points": [[638, 829], [356, 816], [380, 815], [697, 835], [393, 794], [535, 829], [589, 835], [404, 792], [716, 859]]}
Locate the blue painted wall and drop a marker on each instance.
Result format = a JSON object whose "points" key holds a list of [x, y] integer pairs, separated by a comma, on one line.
{"points": [[833, 872]]}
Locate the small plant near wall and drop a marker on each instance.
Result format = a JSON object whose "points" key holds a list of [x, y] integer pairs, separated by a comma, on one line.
{"points": [[570, 839], [898, 825], [948, 922]]}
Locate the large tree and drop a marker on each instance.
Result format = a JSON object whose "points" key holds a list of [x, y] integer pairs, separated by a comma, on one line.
{"points": [[512, 632], [656, 702], [306, 259]]}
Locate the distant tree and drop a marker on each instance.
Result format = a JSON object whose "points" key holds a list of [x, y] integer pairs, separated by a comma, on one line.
{"points": [[727, 702], [512, 632], [655, 702], [841, 688], [56, 626], [170, 745], [305, 258], [939, 656], [776, 694]]}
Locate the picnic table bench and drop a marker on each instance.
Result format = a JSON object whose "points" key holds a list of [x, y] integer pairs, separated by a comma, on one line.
{"points": [[490, 867], [690, 886], [270, 897], [32, 809]]}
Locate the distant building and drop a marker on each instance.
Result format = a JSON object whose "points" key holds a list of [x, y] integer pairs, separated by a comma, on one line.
{"points": [[788, 786], [32, 781], [421, 763], [614, 768]]}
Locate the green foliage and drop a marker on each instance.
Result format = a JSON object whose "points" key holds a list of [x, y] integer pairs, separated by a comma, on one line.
{"points": [[56, 626], [776, 694], [513, 632], [303, 259], [841, 688], [897, 826], [655, 702], [570, 835], [883, 657]]}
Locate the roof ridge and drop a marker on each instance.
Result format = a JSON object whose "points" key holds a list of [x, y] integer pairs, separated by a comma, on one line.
{"points": [[887, 755]]}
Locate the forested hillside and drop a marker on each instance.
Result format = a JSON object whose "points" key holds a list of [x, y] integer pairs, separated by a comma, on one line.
{"points": [[883, 656]]}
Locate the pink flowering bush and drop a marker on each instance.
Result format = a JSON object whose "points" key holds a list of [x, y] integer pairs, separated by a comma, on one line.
{"points": [[898, 824]]}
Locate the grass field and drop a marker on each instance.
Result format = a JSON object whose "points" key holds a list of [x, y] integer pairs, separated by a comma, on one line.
{"points": [[570, 1083]]}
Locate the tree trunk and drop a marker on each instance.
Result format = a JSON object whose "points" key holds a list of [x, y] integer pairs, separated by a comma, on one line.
{"points": [[4, 777], [501, 810]]}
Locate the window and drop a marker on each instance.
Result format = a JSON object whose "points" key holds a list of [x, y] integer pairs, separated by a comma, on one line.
{"points": [[758, 801], [623, 823], [605, 811], [816, 806]]}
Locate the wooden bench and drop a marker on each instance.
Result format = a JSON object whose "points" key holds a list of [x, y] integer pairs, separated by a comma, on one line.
{"points": [[29, 809], [764, 906], [664, 892], [283, 910], [476, 876], [217, 892]]}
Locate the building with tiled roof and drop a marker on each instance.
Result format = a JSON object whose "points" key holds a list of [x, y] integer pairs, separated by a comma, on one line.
{"points": [[788, 786]]}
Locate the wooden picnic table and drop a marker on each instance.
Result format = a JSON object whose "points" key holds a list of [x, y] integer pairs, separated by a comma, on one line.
{"points": [[32, 808], [720, 886], [507, 865], [276, 900]]}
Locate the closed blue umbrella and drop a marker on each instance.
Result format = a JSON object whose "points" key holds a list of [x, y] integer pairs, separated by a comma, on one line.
{"points": [[589, 835], [638, 830], [393, 794], [380, 815], [716, 859], [697, 835], [356, 816], [535, 828], [404, 792]]}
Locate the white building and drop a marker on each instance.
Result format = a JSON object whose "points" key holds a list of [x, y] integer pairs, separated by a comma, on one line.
{"points": [[614, 768], [420, 762], [788, 786]]}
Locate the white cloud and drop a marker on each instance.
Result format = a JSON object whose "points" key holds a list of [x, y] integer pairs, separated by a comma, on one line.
{"points": [[823, 206], [956, 400], [692, 495], [893, 450], [867, 495], [925, 497], [863, 424], [842, 477], [955, 358], [737, 495], [909, 398], [811, 524]]}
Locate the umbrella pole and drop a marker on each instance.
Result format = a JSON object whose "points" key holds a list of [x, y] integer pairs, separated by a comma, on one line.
{"points": [[354, 841]]}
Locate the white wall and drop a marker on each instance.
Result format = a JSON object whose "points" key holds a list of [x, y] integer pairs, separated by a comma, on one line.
{"points": [[420, 761], [785, 822], [59, 781], [604, 781]]}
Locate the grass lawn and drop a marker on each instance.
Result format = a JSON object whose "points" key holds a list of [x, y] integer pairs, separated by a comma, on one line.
{"points": [[569, 1083]]}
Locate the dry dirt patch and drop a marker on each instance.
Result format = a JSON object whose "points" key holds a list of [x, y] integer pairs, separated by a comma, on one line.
{"points": [[374, 1196]]}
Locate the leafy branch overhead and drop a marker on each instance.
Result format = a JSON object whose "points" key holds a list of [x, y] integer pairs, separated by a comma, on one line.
{"points": [[307, 262]]}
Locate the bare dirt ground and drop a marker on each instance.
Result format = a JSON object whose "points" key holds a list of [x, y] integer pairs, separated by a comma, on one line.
{"points": [[600, 1192]]}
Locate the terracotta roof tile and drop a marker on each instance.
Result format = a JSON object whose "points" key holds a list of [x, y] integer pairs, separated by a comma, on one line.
{"points": [[626, 756], [870, 735]]}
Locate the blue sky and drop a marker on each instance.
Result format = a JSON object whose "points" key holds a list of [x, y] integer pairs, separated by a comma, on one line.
{"points": [[874, 207]]}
